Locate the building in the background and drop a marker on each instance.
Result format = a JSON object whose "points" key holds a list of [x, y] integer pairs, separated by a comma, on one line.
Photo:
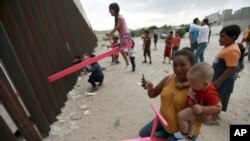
{"points": [[227, 17]]}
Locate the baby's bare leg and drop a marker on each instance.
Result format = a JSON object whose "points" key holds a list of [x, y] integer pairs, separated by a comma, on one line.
{"points": [[191, 129], [186, 120]]}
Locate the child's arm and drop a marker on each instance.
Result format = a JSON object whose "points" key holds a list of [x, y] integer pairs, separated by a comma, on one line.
{"points": [[224, 76], [77, 60], [207, 109], [89, 68]]}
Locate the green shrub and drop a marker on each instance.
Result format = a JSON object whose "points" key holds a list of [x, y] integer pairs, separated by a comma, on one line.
{"points": [[181, 32]]}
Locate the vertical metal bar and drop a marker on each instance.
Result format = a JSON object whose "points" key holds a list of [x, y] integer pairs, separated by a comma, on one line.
{"points": [[30, 38], [20, 80], [14, 24], [16, 111], [44, 29], [5, 132]]}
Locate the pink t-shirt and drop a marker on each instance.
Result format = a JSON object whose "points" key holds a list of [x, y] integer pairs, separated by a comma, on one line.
{"points": [[123, 29]]}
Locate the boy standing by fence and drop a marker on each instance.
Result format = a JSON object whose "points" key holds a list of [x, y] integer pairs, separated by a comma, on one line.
{"points": [[96, 74]]}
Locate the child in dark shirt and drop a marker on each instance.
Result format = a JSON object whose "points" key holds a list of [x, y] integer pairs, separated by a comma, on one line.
{"points": [[96, 74], [146, 47]]}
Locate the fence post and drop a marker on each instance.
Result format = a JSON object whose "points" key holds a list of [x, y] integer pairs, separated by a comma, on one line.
{"points": [[16, 111], [5, 132], [15, 70]]}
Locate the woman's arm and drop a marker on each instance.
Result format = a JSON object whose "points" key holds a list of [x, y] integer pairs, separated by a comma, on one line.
{"points": [[155, 91], [198, 27]]}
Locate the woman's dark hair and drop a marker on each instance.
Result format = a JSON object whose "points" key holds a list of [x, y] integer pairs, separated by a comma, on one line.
{"points": [[231, 31], [116, 8], [242, 52], [186, 52]]}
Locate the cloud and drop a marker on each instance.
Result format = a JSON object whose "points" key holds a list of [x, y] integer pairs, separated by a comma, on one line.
{"points": [[141, 13]]}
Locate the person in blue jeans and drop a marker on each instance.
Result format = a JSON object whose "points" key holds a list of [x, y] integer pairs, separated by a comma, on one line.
{"points": [[199, 54], [202, 39]]}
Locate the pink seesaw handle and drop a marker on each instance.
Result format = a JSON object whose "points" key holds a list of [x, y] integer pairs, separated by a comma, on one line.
{"points": [[81, 65], [162, 120]]}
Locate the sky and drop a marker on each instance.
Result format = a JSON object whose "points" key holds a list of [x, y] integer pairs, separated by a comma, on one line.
{"points": [[145, 13]]}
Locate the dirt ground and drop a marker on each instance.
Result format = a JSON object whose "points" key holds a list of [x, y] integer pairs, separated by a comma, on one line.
{"points": [[121, 107]]}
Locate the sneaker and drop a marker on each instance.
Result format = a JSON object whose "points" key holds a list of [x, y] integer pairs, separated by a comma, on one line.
{"points": [[127, 67], [150, 62], [144, 62], [179, 135]]}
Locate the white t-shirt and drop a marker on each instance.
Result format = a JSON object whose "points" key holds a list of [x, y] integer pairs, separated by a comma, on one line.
{"points": [[131, 52], [203, 33]]}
